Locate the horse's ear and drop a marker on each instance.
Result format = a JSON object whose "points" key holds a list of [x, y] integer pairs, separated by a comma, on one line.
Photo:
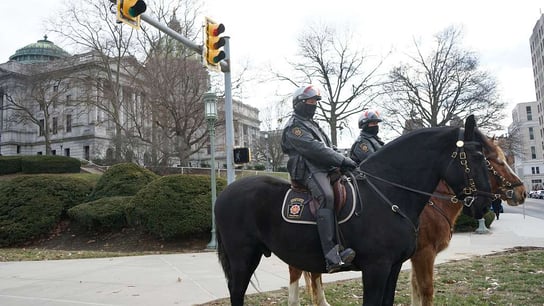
{"points": [[470, 126]]}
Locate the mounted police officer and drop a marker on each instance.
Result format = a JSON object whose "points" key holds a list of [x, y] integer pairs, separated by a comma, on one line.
{"points": [[311, 159], [368, 141]]}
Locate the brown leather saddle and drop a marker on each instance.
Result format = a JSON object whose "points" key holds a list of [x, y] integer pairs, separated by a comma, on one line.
{"points": [[300, 207]]}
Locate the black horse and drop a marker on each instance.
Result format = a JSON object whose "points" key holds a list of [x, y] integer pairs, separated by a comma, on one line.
{"points": [[396, 184]]}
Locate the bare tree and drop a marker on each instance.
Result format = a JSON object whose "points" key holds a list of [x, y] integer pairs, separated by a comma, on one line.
{"points": [[177, 99], [178, 81], [442, 86], [339, 67], [268, 150], [89, 26]]}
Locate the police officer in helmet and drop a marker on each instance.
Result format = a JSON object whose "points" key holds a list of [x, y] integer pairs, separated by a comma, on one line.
{"points": [[311, 159], [368, 141]]}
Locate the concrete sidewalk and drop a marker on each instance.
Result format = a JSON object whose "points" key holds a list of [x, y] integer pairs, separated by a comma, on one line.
{"points": [[188, 279]]}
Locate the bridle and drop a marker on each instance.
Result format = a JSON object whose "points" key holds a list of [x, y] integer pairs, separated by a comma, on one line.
{"points": [[506, 186], [468, 194]]}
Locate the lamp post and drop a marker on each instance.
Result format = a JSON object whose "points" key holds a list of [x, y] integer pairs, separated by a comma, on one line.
{"points": [[210, 111], [268, 168]]}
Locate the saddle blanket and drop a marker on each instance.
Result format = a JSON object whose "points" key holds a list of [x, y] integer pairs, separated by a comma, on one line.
{"points": [[300, 207]]}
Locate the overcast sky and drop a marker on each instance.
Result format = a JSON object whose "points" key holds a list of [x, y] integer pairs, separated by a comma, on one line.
{"points": [[264, 32]]}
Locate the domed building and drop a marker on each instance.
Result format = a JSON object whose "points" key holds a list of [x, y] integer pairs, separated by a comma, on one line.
{"points": [[54, 103], [41, 51]]}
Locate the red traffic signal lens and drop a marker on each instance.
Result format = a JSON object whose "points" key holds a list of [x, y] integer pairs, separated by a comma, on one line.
{"points": [[217, 29]]}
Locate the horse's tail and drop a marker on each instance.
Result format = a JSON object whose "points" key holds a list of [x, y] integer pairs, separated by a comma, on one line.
{"points": [[223, 257]]}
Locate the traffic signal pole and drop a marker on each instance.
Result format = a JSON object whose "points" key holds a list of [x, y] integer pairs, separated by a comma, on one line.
{"points": [[228, 115], [172, 33], [225, 68]]}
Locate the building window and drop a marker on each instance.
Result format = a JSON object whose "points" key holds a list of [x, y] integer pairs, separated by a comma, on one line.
{"points": [[68, 123], [537, 184], [67, 152], [39, 153], [529, 113], [531, 133], [18, 149], [533, 152], [53, 152], [42, 123], [87, 152], [55, 125], [535, 170]]}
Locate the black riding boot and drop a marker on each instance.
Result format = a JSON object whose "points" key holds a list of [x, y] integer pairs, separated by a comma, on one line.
{"points": [[335, 257]]}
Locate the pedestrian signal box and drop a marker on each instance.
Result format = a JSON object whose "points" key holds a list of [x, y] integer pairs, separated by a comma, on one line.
{"points": [[242, 155]]}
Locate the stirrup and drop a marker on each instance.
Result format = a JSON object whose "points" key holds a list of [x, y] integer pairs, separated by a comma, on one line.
{"points": [[347, 256]]}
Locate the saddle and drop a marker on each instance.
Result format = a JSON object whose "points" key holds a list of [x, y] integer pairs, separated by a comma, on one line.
{"points": [[300, 207]]}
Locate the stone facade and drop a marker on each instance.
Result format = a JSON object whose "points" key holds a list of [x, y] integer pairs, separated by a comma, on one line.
{"points": [[76, 127]]}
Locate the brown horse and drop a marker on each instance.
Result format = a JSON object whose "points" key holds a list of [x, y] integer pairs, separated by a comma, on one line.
{"points": [[435, 232]]}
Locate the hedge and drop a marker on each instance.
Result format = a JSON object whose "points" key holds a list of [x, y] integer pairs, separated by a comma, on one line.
{"points": [[102, 214], [30, 206], [175, 206], [124, 179], [50, 164], [10, 164]]}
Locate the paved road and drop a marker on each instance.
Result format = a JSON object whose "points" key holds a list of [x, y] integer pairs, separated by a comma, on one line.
{"points": [[531, 207], [188, 279]]}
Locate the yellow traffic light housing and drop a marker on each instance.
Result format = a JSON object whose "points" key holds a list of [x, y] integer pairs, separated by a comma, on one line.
{"points": [[129, 11], [212, 53]]}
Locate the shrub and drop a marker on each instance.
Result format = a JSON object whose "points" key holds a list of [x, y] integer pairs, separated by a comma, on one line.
{"points": [[50, 164], [102, 214], [124, 179], [259, 167], [468, 224], [10, 164], [176, 206], [31, 205]]}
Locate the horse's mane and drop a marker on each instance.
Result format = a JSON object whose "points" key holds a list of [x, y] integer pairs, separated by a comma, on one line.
{"points": [[423, 137], [419, 137]]}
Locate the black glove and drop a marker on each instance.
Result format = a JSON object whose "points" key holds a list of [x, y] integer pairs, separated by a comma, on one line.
{"points": [[348, 164]]}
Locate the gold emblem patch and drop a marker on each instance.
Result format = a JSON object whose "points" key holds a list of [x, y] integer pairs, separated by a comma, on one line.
{"points": [[297, 131], [363, 147]]}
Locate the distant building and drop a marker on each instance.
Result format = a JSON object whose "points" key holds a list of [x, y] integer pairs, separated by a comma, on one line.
{"points": [[79, 129], [537, 56], [529, 161], [531, 129]]}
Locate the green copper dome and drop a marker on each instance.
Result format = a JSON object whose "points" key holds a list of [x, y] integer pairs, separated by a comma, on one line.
{"points": [[41, 51]]}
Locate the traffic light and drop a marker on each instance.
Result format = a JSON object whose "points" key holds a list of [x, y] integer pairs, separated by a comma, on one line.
{"points": [[241, 155], [129, 11], [211, 51]]}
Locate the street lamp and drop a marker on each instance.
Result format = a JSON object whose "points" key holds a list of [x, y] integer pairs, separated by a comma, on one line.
{"points": [[268, 169], [210, 112]]}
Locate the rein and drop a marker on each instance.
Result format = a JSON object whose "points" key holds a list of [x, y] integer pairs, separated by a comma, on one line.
{"points": [[469, 192]]}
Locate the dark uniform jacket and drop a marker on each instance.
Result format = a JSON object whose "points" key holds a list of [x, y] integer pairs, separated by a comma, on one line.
{"points": [[364, 146], [309, 149]]}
